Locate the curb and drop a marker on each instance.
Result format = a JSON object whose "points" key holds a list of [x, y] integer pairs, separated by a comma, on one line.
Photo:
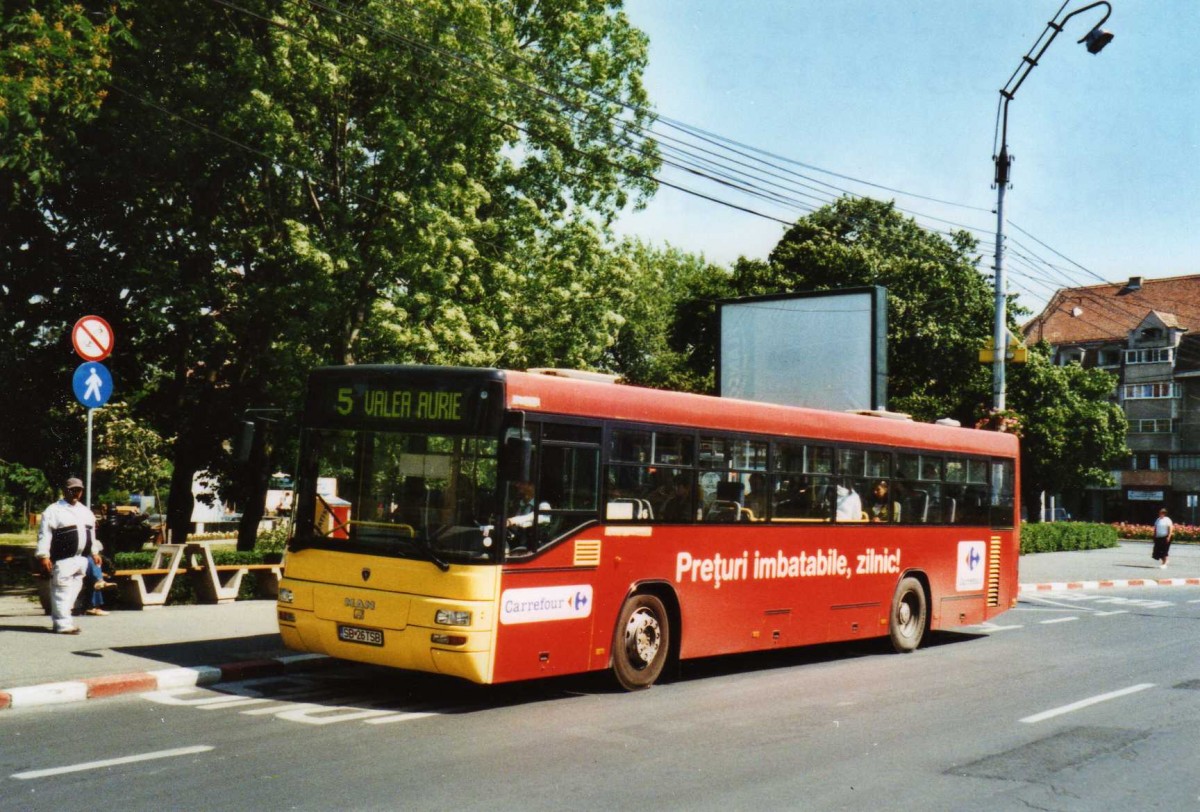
{"points": [[1062, 586], [53, 693]]}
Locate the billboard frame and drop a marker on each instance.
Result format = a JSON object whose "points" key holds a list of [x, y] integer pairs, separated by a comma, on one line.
{"points": [[877, 382]]}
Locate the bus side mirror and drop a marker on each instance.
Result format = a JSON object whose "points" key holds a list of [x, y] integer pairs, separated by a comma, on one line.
{"points": [[516, 459]]}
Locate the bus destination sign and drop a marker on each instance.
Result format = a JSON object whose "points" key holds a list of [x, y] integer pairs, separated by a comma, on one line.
{"points": [[394, 401], [400, 404]]}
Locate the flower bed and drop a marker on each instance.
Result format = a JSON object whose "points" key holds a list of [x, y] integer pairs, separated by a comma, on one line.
{"points": [[1145, 532]]}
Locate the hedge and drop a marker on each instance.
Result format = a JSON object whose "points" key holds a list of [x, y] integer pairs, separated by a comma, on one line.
{"points": [[1050, 537]]}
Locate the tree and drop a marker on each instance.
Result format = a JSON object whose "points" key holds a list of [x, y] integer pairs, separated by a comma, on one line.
{"points": [[131, 454], [22, 491], [54, 63], [939, 306], [672, 294], [274, 185], [1072, 433]]}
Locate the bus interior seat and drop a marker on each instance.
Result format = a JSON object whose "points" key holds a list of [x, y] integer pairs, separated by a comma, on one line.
{"points": [[723, 511], [918, 507], [730, 491], [628, 509]]}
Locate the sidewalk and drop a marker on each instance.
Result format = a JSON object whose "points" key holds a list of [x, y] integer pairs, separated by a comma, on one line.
{"points": [[134, 650], [1128, 564], [175, 646]]}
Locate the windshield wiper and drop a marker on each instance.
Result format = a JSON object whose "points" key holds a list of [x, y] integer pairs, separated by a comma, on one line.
{"points": [[427, 544]]}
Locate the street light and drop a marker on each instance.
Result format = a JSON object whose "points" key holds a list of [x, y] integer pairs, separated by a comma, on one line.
{"points": [[1095, 40]]}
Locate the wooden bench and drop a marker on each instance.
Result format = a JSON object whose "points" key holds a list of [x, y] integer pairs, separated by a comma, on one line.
{"points": [[147, 588]]}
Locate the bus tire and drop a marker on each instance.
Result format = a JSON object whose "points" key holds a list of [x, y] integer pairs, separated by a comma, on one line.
{"points": [[909, 615], [641, 642]]}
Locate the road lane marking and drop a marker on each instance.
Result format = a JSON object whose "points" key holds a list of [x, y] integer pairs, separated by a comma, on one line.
{"points": [[1058, 620], [112, 762], [1114, 612], [1083, 703]]}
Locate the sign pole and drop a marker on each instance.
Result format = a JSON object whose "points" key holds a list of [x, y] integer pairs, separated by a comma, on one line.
{"points": [[93, 340], [87, 495]]}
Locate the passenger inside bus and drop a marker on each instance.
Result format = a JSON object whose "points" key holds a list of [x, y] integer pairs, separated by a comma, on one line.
{"points": [[849, 503], [678, 508], [756, 498], [881, 508]]}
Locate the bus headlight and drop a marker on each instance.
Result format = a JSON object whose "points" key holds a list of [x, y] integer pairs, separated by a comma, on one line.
{"points": [[285, 595], [452, 617]]}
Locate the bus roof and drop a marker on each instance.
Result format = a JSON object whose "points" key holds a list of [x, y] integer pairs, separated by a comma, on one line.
{"points": [[535, 392]]}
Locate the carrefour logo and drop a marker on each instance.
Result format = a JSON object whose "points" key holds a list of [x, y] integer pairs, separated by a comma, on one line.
{"points": [[970, 573], [541, 604]]}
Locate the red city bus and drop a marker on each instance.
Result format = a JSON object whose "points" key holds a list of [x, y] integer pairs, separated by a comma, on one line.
{"points": [[498, 526]]}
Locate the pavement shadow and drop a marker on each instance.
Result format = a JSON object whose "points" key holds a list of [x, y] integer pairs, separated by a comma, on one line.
{"points": [[210, 652]]}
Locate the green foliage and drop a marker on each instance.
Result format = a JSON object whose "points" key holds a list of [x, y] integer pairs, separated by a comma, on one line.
{"points": [[21, 489], [1050, 537], [54, 62], [277, 186], [1072, 434], [939, 306], [130, 455], [271, 543]]}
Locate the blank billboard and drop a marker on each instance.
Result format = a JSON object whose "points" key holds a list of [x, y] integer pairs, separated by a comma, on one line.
{"points": [[824, 350]]}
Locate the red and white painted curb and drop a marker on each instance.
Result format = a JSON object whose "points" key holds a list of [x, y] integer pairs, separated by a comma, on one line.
{"points": [[1062, 586], [101, 687]]}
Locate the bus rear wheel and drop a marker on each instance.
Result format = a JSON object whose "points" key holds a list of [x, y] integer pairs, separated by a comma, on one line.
{"points": [[641, 642], [909, 613]]}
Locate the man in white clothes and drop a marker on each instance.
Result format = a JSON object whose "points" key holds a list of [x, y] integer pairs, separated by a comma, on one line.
{"points": [[66, 538]]}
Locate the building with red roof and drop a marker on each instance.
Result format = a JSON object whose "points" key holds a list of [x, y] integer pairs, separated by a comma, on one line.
{"points": [[1146, 332]]}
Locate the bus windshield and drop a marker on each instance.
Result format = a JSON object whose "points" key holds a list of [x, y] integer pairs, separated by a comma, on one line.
{"points": [[423, 496]]}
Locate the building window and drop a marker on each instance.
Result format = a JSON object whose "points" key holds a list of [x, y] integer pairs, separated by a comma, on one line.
{"points": [[1158, 426], [1144, 391], [1070, 356], [1108, 357], [1150, 462], [1185, 462], [1158, 355]]}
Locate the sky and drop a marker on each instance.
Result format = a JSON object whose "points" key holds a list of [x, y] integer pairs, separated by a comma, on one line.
{"points": [[904, 94]]}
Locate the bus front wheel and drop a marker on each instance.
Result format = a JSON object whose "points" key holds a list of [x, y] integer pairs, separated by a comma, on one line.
{"points": [[641, 642], [909, 614]]}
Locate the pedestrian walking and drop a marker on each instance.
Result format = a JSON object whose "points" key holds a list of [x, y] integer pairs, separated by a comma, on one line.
{"points": [[1164, 531], [66, 540]]}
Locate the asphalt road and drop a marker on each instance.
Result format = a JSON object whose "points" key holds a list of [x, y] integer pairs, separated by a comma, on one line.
{"points": [[1072, 701]]}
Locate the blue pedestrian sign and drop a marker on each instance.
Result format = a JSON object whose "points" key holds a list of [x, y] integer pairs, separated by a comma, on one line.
{"points": [[93, 385]]}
